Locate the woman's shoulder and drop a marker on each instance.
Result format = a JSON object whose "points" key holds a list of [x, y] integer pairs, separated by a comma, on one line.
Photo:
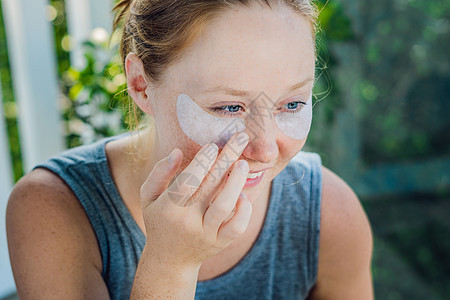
{"points": [[44, 191], [43, 214], [342, 213], [49, 234], [44, 203], [45, 183], [85, 165], [42, 197], [345, 239]]}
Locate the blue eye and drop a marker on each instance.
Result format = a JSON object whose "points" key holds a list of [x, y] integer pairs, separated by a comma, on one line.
{"points": [[292, 105], [295, 106], [233, 108], [230, 110]]}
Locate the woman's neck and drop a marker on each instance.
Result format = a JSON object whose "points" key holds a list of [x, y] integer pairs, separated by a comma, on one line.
{"points": [[142, 153]]}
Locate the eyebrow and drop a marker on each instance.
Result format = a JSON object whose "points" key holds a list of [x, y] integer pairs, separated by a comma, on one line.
{"points": [[242, 93]]}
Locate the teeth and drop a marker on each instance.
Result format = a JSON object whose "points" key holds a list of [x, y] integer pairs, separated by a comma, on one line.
{"points": [[254, 175]]}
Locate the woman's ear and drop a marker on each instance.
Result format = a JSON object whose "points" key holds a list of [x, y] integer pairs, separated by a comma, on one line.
{"points": [[137, 82]]}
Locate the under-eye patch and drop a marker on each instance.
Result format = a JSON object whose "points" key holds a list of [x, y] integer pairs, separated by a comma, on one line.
{"points": [[204, 128], [296, 125]]}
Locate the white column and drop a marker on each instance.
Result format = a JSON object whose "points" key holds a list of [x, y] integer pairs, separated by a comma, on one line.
{"points": [[7, 285], [33, 66], [83, 16]]}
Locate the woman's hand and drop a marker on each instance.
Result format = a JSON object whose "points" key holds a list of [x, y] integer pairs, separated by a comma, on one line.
{"points": [[189, 221]]}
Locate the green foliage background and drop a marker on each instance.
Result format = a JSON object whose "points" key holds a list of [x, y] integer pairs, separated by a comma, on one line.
{"points": [[402, 109], [403, 89]]}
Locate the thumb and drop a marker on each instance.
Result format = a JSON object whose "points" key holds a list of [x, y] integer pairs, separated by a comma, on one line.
{"points": [[160, 177]]}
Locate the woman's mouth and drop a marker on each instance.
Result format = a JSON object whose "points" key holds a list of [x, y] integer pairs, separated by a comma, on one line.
{"points": [[254, 178]]}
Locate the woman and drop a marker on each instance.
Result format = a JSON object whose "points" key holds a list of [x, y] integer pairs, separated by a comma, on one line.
{"points": [[215, 200]]}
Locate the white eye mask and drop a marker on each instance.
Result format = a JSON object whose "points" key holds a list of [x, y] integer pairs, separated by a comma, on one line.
{"points": [[204, 128], [296, 125]]}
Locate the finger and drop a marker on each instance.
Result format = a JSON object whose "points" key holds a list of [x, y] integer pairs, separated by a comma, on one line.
{"points": [[224, 202], [160, 177], [242, 195], [238, 224], [229, 154], [188, 181]]}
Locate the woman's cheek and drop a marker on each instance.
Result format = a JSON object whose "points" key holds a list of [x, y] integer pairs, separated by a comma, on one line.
{"points": [[190, 150], [289, 147]]}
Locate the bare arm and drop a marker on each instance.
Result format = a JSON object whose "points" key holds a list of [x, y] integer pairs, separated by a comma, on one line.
{"points": [[345, 245], [53, 249]]}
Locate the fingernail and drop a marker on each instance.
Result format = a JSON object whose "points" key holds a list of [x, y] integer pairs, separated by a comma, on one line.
{"points": [[172, 156], [242, 138], [243, 164], [213, 147]]}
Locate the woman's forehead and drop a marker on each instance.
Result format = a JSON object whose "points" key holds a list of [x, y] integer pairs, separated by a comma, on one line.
{"points": [[248, 50]]}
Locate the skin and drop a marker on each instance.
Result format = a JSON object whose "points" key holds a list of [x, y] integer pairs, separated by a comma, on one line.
{"points": [[253, 49], [260, 56]]}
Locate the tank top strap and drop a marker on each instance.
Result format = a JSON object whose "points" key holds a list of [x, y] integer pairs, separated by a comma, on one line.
{"points": [[303, 180], [85, 170]]}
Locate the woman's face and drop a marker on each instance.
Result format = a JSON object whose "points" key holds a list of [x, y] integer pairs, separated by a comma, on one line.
{"points": [[261, 51]]}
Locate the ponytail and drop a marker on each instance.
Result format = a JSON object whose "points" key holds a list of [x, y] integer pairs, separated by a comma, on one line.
{"points": [[121, 9]]}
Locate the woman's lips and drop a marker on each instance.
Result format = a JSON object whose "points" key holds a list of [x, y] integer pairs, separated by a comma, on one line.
{"points": [[251, 182]]}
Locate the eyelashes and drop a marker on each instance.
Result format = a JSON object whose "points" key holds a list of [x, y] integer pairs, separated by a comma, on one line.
{"points": [[221, 110], [298, 108]]}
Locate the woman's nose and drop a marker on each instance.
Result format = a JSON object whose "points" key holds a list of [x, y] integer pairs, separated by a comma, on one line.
{"points": [[262, 145]]}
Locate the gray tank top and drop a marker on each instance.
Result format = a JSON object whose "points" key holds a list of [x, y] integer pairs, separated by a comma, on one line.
{"points": [[282, 263]]}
